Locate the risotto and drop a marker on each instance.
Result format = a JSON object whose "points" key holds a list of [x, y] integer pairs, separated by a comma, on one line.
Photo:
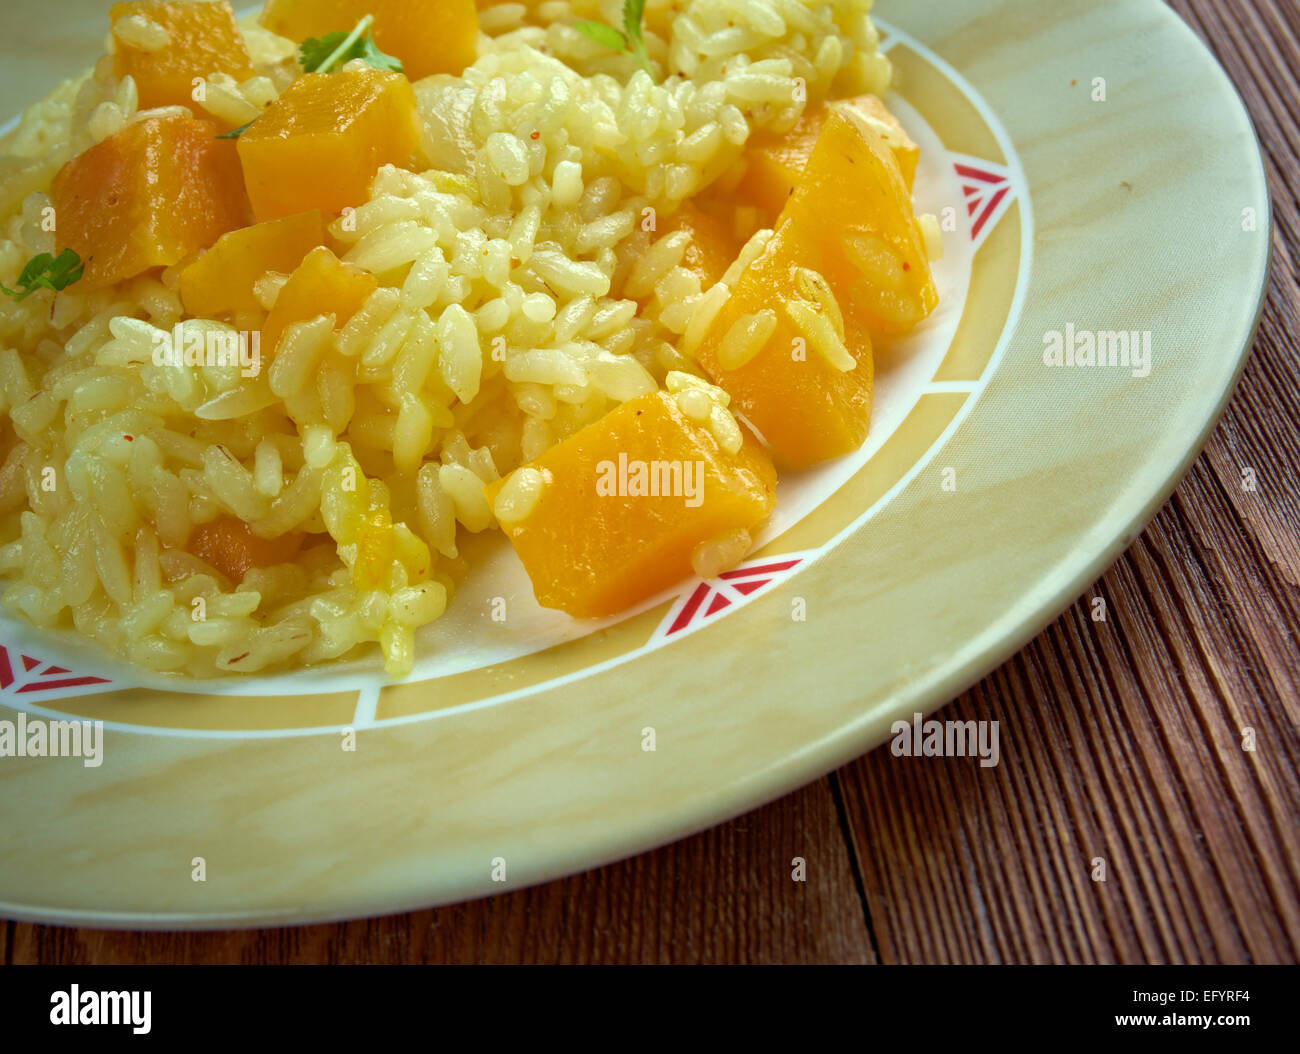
{"points": [[269, 349]]}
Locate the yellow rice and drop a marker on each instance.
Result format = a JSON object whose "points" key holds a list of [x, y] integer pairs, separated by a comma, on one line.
{"points": [[505, 320]]}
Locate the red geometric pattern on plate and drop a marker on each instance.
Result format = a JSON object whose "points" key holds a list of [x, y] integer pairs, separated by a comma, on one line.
{"points": [[730, 587], [986, 190], [36, 675]]}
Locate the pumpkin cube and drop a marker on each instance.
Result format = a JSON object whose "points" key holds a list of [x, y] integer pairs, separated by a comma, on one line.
{"points": [[712, 247], [321, 285], [319, 145], [618, 508], [432, 36], [901, 145], [150, 196], [166, 44], [874, 253], [220, 282], [795, 361], [792, 344], [775, 163]]}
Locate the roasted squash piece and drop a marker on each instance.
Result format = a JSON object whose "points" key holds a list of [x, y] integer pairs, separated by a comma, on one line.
{"points": [[229, 545], [149, 196], [775, 162], [319, 145], [879, 116], [713, 246], [602, 534], [429, 36], [321, 285], [792, 344], [196, 40], [221, 280], [779, 347], [874, 254]]}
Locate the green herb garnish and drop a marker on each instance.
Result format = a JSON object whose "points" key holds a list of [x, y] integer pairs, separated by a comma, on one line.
{"points": [[47, 272], [606, 36], [628, 40], [322, 54], [235, 133]]}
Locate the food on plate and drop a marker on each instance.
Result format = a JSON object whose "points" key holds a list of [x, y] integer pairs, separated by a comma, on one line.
{"points": [[792, 342], [224, 279], [676, 483], [164, 46], [151, 195], [319, 145], [320, 285], [776, 161], [294, 303]]}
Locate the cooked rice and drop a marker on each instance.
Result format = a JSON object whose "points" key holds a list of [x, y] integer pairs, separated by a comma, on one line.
{"points": [[505, 320]]}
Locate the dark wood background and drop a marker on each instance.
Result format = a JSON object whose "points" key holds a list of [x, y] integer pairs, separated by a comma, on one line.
{"points": [[1130, 735]]}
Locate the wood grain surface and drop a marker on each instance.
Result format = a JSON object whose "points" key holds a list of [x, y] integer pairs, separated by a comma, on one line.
{"points": [[1122, 742]]}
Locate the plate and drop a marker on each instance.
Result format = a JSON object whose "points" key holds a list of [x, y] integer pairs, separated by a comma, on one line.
{"points": [[1107, 250]]}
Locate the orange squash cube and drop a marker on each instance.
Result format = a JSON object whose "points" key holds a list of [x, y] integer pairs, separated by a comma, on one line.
{"points": [[805, 407], [431, 36], [319, 145], [713, 247], [202, 39], [874, 254], [792, 344], [229, 545], [776, 162], [221, 280], [612, 524], [149, 196], [879, 116], [321, 285]]}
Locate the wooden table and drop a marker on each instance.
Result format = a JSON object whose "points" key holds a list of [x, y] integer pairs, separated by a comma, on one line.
{"points": [[1129, 738]]}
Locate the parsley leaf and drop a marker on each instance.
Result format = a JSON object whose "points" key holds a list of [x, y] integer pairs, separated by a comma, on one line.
{"points": [[371, 54], [628, 40], [606, 36], [47, 272], [322, 54], [632, 13]]}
